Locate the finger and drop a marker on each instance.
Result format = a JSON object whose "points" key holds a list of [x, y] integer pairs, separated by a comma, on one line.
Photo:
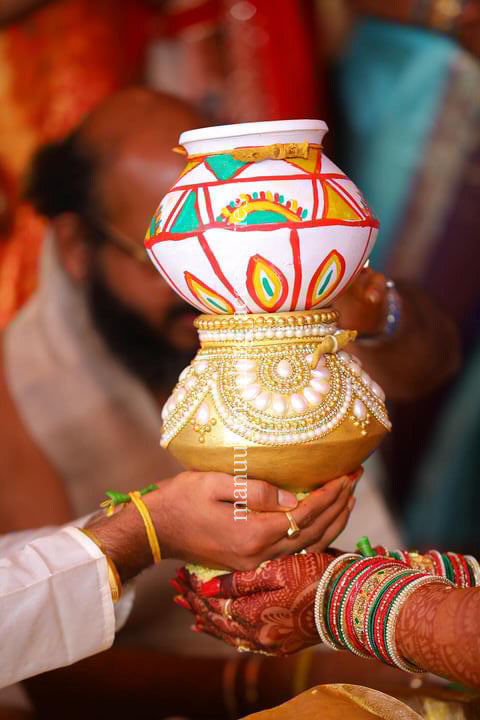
{"points": [[263, 497], [314, 532], [318, 503], [221, 485], [235, 584], [267, 578], [376, 288], [243, 640], [239, 643], [333, 531], [271, 528], [357, 288], [258, 494]]}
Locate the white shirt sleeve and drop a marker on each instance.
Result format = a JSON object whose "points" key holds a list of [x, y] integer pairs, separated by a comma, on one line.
{"points": [[55, 602]]}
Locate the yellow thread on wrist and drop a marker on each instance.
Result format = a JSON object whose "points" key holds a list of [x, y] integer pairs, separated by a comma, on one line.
{"points": [[113, 576], [149, 527]]}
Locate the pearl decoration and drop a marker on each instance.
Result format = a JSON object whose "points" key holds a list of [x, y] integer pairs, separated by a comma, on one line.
{"points": [[365, 378], [279, 406], [184, 374], [375, 388], [298, 402], [359, 409], [190, 383], [322, 386], [203, 414], [284, 369], [312, 396], [246, 365], [262, 401], [200, 368], [180, 394], [251, 391], [245, 379], [322, 374]]}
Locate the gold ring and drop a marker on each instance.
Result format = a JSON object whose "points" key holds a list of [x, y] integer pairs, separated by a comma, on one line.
{"points": [[226, 609], [293, 530]]}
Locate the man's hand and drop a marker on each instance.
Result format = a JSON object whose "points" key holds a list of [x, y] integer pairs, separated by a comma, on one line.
{"points": [[194, 517], [363, 307], [268, 610], [193, 514]]}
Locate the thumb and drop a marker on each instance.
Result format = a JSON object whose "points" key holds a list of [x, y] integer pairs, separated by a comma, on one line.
{"points": [[263, 497]]}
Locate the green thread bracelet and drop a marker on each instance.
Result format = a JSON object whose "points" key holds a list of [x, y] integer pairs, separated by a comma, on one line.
{"points": [[118, 498]]}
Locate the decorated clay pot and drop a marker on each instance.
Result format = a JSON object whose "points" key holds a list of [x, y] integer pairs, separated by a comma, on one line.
{"points": [[260, 220], [261, 230]]}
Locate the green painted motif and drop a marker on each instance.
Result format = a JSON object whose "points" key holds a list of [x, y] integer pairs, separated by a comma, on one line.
{"points": [[264, 217], [325, 283], [215, 304], [267, 287], [223, 166], [187, 219]]}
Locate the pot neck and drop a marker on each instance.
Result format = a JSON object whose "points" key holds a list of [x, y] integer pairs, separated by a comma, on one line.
{"points": [[240, 328]]}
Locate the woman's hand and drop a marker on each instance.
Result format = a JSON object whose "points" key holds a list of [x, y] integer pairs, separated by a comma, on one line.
{"points": [[265, 610], [193, 514]]}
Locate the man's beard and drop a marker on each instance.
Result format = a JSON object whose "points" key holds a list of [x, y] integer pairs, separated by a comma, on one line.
{"points": [[145, 352]]}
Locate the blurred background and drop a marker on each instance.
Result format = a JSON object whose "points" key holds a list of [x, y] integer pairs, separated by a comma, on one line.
{"points": [[399, 85]]}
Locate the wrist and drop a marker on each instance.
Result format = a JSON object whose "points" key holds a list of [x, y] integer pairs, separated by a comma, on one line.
{"points": [[391, 322], [158, 505], [122, 538]]}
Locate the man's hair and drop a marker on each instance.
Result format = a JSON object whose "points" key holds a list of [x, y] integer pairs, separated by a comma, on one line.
{"points": [[61, 180]]}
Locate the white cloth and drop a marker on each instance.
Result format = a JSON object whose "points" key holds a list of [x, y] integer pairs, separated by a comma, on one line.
{"points": [[55, 602]]}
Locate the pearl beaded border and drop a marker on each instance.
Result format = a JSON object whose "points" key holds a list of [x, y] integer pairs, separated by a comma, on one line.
{"points": [[265, 333], [352, 383]]}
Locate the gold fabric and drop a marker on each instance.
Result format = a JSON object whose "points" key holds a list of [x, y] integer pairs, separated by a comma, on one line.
{"points": [[339, 702]]}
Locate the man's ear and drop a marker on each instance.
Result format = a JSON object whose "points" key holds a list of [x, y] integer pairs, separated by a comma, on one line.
{"points": [[72, 245]]}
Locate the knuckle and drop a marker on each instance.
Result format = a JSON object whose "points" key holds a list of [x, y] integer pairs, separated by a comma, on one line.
{"points": [[308, 518], [260, 492]]}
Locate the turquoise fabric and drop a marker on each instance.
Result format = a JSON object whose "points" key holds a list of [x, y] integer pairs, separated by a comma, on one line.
{"points": [[445, 512], [390, 84]]}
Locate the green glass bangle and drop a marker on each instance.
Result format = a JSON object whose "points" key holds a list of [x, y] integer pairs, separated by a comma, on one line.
{"points": [[449, 572], [372, 611]]}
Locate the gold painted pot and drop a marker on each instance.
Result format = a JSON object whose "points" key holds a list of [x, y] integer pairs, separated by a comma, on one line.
{"points": [[277, 397]]}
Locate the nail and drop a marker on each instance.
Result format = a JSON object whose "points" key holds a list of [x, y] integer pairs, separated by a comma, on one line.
{"points": [[179, 600], [287, 499], [182, 574], [351, 503], [346, 482], [373, 296], [196, 628], [210, 588], [357, 476]]}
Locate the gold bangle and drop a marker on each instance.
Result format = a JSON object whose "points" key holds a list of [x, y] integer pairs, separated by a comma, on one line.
{"points": [[113, 576], [149, 527]]}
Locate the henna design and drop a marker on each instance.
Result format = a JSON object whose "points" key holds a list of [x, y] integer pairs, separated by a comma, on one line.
{"points": [[438, 630], [271, 608]]}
